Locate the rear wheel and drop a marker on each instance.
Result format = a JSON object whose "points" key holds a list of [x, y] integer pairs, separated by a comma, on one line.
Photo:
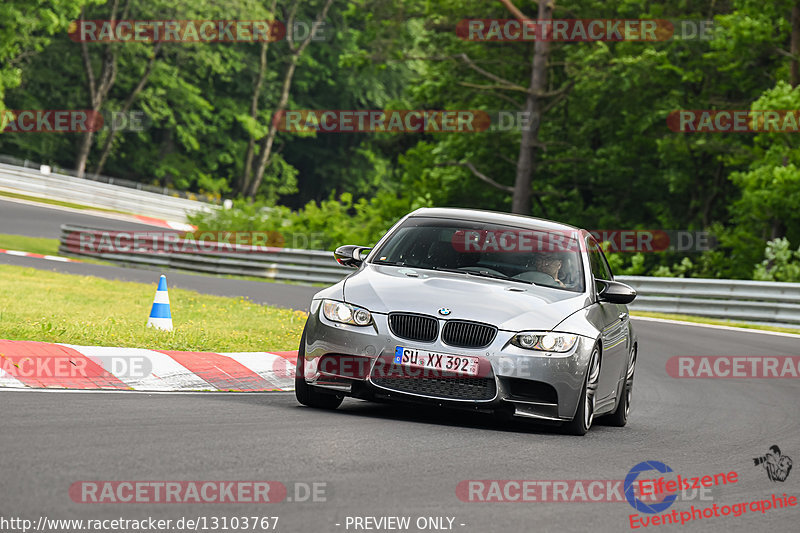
{"points": [[307, 394], [584, 416], [620, 416]]}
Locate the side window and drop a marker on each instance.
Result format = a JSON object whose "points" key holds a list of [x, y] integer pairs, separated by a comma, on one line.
{"points": [[600, 269]]}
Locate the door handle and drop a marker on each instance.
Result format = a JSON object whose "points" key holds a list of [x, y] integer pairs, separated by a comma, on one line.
{"points": [[623, 316]]}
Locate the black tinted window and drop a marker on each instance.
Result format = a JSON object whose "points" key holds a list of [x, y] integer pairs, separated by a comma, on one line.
{"points": [[544, 258], [600, 269]]}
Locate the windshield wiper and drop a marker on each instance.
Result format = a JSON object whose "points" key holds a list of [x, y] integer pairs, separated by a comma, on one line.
{"points": [[442, 269], [478, 273], [481, 274], [485, 274]]}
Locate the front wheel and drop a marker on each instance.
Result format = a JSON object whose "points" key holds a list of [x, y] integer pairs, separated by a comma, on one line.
{"points": [[620, 416], [584, 416], [307, 394]]}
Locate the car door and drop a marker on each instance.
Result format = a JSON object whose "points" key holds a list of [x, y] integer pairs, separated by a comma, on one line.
{"points": [[614, 320]]}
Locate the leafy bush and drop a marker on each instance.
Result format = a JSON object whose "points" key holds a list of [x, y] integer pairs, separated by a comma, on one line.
{"points": [[736, 253], [621, 267], [780, 263], [321, 226]]}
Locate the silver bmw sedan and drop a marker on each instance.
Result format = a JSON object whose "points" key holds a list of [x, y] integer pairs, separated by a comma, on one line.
{"points": [[478, 310]]}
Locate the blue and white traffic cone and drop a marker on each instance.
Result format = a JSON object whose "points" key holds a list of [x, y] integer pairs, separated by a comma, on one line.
{"points": [[160, 314]]}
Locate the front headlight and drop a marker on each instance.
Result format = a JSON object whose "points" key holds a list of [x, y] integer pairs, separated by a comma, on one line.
{"points": [[544, 342], [346, 313]]}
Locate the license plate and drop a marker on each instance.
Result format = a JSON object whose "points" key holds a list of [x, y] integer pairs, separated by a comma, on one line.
{"points": [[413, 357]]}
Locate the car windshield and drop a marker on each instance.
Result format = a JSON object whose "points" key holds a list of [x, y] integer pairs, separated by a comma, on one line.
{"points": [[544, 258]]}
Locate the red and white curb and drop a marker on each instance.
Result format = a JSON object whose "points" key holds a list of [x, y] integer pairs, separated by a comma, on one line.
{"points": [[27, 364], [179, 226], [40, 256]]}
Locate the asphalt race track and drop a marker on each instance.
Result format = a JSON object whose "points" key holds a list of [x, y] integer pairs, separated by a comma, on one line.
{"points": [[383, 460], [387, 460], [31, 220]]}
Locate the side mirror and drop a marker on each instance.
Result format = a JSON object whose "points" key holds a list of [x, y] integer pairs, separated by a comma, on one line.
{"points": [[615, 292], [351, 255]]}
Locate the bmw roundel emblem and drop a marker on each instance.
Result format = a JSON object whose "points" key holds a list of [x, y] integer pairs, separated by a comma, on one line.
{"points": [[444, 311]]}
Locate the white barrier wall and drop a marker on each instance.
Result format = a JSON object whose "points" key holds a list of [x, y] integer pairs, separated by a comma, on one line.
{"points": [[96, 194]]}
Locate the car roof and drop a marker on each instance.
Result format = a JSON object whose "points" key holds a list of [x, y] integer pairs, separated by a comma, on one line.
{"points": [[480, 215]]}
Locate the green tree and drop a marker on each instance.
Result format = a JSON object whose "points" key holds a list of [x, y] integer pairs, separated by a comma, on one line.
{"points": [[771, 187], [26, 29]]}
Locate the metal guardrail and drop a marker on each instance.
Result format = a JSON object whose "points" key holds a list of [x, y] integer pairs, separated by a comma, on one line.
{"points": [[287, 264], [96, 194], [747, 301], [739, 300]]}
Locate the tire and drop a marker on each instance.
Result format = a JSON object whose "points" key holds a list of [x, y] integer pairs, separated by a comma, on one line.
{"points": [[584, 415], [307, 394], [620, 416]]}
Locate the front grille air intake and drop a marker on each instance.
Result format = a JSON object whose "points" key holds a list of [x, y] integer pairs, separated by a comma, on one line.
{"points": [[468, 334], [451, 388], [420, 328]]}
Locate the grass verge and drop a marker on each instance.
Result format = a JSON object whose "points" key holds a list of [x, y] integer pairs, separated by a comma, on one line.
{"points": [[40, 245], [36, 245], [715, 322], [47, 306]]}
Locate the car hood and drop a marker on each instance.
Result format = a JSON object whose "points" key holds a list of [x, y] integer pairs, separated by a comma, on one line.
{"points": [[509, 305]]}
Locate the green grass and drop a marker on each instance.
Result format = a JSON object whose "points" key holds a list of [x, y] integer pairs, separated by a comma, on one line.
{"points": [[39, 245], [46, 306], [36, 245], [9, 194], [715, 321]]}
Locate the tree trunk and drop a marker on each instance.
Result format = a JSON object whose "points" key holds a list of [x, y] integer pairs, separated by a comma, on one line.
{"points": [[266, 148], [521, 201], [83, 153], [98, 90], [247, 172], [251, 143], [127, 106]]}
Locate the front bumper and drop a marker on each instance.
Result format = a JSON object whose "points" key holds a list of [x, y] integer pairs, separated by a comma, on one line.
{"points": [[537, 385]]}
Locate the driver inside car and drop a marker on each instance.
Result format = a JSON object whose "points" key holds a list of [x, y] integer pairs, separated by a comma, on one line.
{"points": [[549, 263]]}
